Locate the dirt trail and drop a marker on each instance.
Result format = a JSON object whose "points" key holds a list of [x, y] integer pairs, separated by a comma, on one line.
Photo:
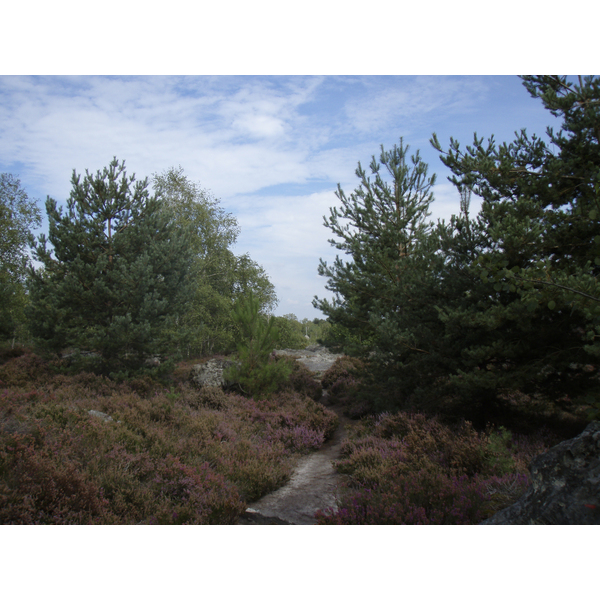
{"points": [[314, 481]]}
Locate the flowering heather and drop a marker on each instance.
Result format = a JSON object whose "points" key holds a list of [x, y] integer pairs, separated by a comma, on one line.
{"points": [[297, 439], [410, 469], [343, 367], [166, 455], [342, 381]]}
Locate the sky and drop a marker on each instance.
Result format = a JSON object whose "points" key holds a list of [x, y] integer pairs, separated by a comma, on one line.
{"points": [[270, 108], [271, 149]]}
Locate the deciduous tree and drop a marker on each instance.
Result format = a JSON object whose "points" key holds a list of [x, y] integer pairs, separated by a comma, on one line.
{"points": [[219, 277], [18, 216]]}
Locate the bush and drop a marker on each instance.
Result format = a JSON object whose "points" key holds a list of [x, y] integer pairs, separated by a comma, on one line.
{"points": [[258, 372], [410, 469], [300, 379], [345, 367], [25, 370], [343, 382], [168, 455], [418, 498]]}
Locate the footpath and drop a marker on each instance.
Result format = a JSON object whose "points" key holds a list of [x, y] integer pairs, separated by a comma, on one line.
{"points": [[314, 482]]}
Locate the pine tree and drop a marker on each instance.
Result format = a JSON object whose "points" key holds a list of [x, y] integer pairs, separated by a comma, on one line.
{"points": [[258, 373], [534, 315], [383, 229], [116, 274]]}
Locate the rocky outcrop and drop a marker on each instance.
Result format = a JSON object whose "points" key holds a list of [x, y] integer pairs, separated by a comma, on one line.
{"points": [[316, 358], [101, 415], [210, 373], [565, 487]]}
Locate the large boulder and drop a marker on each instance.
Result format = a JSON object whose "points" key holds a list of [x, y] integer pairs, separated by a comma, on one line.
{"points": [[565, 488], [316, 358], [210, 373]]}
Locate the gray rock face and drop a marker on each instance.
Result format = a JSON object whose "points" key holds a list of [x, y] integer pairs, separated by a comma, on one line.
{"points": [[210, 373], [565, 486], [316, 358], [153, 361], [100, 415]]}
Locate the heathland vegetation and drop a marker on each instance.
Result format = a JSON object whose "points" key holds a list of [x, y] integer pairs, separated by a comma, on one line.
{"points": [[470, 346]]}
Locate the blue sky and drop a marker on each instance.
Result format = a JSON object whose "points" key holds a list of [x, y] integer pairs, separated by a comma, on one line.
{"points": [[272, 149]]}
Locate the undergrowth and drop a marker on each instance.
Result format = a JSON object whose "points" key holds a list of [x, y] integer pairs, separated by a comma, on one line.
{"points": [[86, 449], [412, 468], [408, 469], [149, 453]]}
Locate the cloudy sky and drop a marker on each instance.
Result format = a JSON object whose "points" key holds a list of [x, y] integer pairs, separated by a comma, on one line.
{"points": [[272, 149]]}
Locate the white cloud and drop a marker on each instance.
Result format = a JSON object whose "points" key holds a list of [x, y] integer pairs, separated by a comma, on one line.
{"points": [[240, 137]]}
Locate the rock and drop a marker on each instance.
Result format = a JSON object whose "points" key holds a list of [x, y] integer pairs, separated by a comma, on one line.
{"points": [[100, 415], [253, 517], [210, 373], [81, 354], [153, 361], [316, 358], [565, 487]]}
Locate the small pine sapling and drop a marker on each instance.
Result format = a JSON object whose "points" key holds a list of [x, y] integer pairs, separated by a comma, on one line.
{"points": [[257, 373]]}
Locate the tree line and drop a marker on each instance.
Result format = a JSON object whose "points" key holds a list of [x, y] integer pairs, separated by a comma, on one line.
{"points": [[482, 316], [124, 273], [485, 314]]}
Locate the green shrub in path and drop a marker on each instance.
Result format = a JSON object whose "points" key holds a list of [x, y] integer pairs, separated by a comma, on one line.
{"points": [[258, 372]]}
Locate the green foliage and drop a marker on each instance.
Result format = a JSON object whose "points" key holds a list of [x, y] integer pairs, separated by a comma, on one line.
{"points": [[258, 372], [218, 276], [457, 316], [346, 340], [18, 215], [116, 275], [533, 314], [290, 332], [382, 228], [498, 451]]}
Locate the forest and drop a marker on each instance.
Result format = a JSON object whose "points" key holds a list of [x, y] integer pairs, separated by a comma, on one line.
{"points": [[469, 346]]}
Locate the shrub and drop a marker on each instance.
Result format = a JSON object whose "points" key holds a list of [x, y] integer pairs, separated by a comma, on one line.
{"points": [[258, 372], [343, 368], [25, 370], [343, 384], [169, 455], [212, 397], [194, 495], [256, 467], [417, 498], [410, 469], [301, 379], [36, 488]]}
